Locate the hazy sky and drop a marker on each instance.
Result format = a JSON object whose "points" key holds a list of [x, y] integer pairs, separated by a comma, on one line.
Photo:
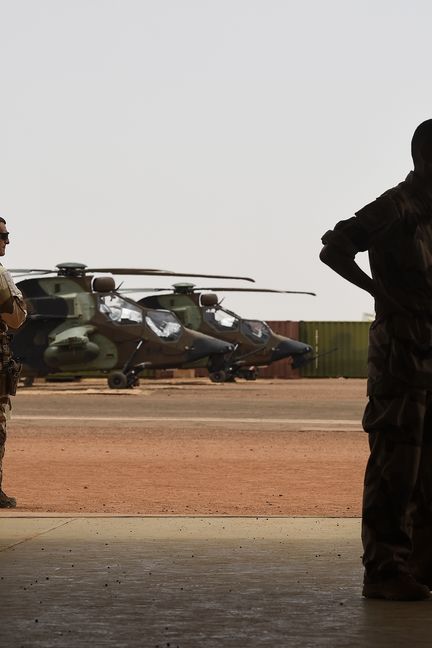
{"points": [[223, 136]]}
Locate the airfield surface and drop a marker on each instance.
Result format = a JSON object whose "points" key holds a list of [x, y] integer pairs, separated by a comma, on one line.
{"points": [[188, 447]]}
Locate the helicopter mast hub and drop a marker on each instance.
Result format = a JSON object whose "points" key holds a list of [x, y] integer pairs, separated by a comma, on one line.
{"points": [[71, 269], [184, 288]]}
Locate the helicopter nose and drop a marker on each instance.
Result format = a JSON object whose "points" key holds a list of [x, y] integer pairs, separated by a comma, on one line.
{"points": [[297, 350], [205, 345]]}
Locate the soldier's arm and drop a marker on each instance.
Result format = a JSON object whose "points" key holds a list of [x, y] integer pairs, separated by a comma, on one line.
{"points": [[356, 234], [345, 266], [12, 306]]}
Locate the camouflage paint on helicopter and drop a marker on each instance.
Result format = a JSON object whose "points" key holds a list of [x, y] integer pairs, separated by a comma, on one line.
{"points": [[254, 343], [80, 325]]}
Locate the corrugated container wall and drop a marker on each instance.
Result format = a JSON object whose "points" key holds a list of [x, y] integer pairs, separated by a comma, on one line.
{"points": [[342, 347], [282, 368]]}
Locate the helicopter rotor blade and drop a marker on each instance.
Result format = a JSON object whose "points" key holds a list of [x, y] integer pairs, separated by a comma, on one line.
{"points": [[258, 290], [163, 273], [69, 269], [126, 271], [195, 289], [141, 290], [30, 271]]}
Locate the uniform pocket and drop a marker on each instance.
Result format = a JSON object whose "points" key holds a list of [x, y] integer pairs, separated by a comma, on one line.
{"points": [[410, 356]]}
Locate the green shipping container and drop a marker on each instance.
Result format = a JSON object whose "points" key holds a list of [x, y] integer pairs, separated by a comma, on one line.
{"points": [[341, 347]]}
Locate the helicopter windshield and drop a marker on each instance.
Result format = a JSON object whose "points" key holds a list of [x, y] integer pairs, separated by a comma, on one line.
{"points": [[256, 330], [119, 310], [164, 323], [220, 319]]}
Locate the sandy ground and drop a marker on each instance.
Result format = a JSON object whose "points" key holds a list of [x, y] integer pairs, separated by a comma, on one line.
{"points": [[189, 447]]}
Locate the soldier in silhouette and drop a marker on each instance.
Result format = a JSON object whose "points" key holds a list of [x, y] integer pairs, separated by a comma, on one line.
{"points": [[12, 315], [396, 230]]}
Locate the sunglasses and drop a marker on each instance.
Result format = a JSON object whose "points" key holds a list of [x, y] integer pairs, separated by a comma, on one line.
{"points": [[4, 236]]}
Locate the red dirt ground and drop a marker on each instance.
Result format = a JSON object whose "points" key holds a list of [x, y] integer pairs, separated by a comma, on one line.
{"points": [[206, 469]]}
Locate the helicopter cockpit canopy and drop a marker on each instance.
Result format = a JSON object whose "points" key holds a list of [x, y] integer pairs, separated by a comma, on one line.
{"points": [[164, 323], [257, 331], [221, 320], [119, 310]]}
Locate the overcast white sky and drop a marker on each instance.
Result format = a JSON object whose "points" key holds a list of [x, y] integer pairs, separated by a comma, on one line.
{"points": [[223, 136]]}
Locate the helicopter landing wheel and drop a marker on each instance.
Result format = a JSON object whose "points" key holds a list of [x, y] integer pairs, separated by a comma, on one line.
{"points": [[117, 380], [217, 376], [221, 376]]}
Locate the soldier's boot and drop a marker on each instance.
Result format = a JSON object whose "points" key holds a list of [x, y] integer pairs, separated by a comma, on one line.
{"points": [[425, 580], [423, 576], [7, 502], [420, 562], [402, 587]]}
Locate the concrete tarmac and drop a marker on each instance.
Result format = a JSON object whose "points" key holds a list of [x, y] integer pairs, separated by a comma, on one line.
{"points": [[199, 400], [68, 581], [193, 582]]}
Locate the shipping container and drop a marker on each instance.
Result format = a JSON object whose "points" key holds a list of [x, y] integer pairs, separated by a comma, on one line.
{"points": [[341, 348]]}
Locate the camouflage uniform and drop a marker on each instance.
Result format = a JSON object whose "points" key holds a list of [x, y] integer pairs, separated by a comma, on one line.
{"points": [[12, 314], [396, 229]]}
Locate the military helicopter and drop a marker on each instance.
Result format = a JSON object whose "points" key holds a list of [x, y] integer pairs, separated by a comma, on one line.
{"points": [[253, 342], [80, 325]]}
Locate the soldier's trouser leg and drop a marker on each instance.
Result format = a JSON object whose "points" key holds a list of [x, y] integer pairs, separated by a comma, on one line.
{"points": [[3, 417], [395, 426], [421, 512]]}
